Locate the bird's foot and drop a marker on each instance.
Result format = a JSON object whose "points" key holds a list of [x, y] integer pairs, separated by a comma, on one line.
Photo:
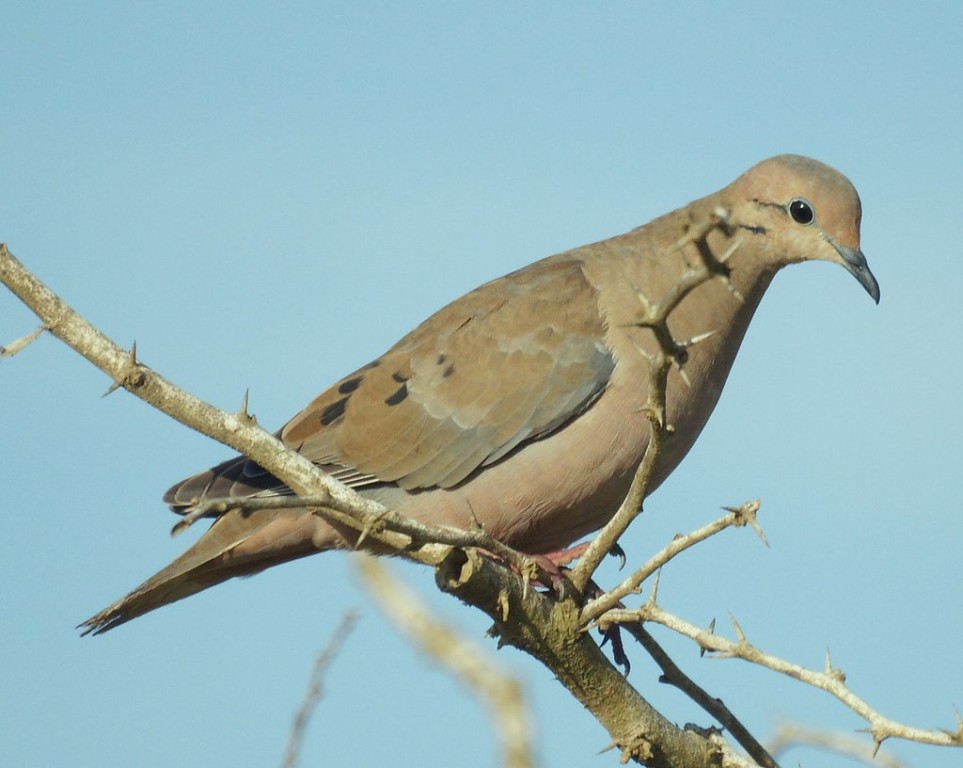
{"points": [[555, 565], [566, 556]]}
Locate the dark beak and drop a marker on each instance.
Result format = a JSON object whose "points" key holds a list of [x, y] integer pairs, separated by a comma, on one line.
{"points": [[855, 262]]}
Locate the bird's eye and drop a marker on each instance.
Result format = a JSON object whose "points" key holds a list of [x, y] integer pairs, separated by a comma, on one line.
{"points": [[801, 211]]}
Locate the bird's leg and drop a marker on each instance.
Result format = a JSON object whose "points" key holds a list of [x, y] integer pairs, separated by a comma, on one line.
{"points": [[554, 564], [566, 556]]}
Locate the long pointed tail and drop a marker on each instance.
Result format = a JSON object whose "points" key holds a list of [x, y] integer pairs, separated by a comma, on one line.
{"points": [[237, 544]]}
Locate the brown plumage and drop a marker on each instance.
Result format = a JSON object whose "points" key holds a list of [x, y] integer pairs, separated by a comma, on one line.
{"points": [[521, 402]]}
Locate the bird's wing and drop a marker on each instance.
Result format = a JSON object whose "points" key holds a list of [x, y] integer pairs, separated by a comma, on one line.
{"points": [[508, 363]]}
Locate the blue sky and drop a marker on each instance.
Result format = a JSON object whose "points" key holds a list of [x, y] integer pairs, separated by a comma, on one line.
{"points": [[266, 196]]}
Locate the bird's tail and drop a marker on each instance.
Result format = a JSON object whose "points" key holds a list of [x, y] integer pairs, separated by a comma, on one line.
{"points": [[237, 544]]}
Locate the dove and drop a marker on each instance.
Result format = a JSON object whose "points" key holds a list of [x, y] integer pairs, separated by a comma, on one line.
{"points": [[521, 405]]}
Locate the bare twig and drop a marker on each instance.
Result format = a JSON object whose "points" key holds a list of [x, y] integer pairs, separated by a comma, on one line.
{"points": [[831, 679], [736, 517], [313, 694], [672, 674], [500, 692], [787, 736], [639, 730], [671, 353], [130, 373], [18, 344], [548, 629]]}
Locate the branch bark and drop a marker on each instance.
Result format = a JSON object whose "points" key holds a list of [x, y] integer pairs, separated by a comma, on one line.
{"points": [[547, 629], [550, 628]]}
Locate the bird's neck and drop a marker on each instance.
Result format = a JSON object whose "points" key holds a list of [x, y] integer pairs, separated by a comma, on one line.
{"points": [[714, 316]]}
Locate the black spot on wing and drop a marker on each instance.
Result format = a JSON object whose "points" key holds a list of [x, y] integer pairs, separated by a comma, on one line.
{"points": [[349, 386], [398, 396], [333, 411], [399, 377], [448, 371]]}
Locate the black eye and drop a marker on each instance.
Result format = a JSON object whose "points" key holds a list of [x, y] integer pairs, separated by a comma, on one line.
{"points": [[801, 211]]}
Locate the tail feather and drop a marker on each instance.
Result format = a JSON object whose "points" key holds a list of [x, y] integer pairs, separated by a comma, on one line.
{"points": [[237, 544]]}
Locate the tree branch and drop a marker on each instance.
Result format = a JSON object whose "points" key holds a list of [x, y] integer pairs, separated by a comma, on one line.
{"points": [[550, 631], [831, 679], [547, 629], [123, 367], [736, 517], [655, 316]]}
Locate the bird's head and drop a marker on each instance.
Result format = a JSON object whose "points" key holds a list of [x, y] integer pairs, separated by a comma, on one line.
{"points": [[803, 210]]}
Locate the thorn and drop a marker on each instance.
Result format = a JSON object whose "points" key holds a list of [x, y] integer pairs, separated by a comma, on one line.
{"points": [[111, 389], [722, 215], [745, 514], [735, 292], [607, 748], [18, 344], [698, 339], [503, 604], [712, 630], [242, 415], [132, 377], [526, 582], [730, 250], [723, 260], [644, 301], [475, 523], [738, 630], [370, 525], [836, 674]]}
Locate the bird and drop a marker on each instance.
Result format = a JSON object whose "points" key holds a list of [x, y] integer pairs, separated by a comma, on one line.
{"points": [[521, 405]]}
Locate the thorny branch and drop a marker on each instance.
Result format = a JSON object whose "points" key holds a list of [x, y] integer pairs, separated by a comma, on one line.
{"points": [[655, 316], [736, 517], [127, 371], [543, 627], [831, 679], [673, 675], [551, 630]]}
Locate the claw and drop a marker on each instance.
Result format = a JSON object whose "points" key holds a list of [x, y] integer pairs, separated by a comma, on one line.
{"points": [[614, 635], [618, 552]]}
